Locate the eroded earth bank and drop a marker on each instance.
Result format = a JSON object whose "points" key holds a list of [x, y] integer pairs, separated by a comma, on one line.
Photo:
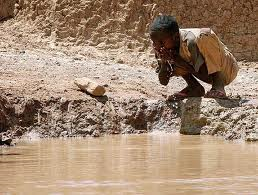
{"points": [[39, 98], [40, 60]]}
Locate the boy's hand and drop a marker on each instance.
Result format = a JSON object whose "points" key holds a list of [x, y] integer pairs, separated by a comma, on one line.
{"points": [[180, 66], [165, 54]]}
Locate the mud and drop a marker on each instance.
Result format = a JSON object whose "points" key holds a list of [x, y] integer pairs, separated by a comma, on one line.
{"points": [[61, 117], [69, 118]]}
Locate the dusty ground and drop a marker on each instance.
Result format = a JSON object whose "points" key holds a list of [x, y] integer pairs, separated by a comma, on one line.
{"points": [[37, 78], [43, 73]]}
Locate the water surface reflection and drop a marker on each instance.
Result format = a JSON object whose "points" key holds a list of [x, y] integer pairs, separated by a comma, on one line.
{"points": [[130, 164]]}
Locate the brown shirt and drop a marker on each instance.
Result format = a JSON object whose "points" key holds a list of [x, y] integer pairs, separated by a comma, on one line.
{"points": [[199, 45], [189, 39]]}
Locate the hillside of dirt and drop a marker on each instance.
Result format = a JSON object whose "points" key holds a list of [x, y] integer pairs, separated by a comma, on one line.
{"points": [[45, 45], [118, 29]]}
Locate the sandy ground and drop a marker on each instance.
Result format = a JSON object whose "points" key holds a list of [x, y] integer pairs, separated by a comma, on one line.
{"points": [[43, 73]]}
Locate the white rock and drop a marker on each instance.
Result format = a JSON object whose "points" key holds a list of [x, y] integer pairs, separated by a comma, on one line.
{"points": [[90, 86]]}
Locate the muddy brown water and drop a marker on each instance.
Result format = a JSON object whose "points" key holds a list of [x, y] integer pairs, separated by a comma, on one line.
{"points": [[130, 164]]}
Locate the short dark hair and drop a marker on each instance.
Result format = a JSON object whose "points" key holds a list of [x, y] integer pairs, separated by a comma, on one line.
{"points": [[164, 24]]}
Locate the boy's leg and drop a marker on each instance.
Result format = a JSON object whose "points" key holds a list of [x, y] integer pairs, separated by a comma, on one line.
{"points": [[193, 89], [217, 80], [203, 75]]}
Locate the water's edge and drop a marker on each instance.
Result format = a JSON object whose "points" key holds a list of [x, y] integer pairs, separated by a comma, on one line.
{"points": [[60, 117]]}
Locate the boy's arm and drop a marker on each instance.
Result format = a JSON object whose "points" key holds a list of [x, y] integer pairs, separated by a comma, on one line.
{"points": [[158, 61], [164, 69]]}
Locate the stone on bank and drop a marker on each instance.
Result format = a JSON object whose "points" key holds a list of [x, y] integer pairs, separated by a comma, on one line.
{"points": [[90, 86]]}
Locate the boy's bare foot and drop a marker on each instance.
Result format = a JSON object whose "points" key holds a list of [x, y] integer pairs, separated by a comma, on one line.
{"points": [[217, 90], [216, 93], [189, 91]]}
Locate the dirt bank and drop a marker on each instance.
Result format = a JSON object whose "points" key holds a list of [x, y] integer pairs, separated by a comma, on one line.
{"points": [[44, 102]]}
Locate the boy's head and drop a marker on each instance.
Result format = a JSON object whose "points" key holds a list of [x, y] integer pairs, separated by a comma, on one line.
{"points": [[164, 32]]}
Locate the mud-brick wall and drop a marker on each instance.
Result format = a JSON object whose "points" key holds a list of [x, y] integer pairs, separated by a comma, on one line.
{"points": [[124, 23], [235, 21]]}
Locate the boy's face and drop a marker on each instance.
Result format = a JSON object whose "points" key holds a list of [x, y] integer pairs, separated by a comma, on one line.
{"points": [[168, 42]]}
